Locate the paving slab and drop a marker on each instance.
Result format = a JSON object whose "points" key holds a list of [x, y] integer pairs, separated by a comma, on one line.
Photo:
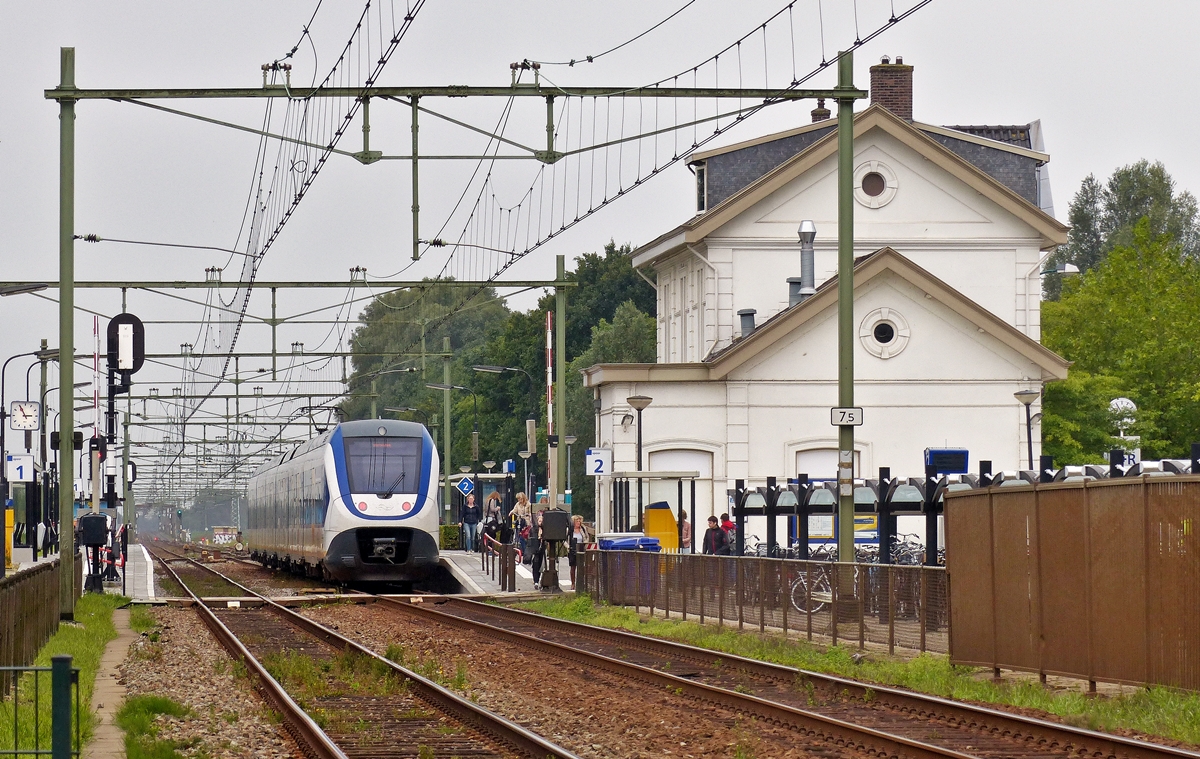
{"points": [[109, 740]]}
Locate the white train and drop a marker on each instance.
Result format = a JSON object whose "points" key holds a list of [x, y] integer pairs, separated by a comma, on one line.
{"points": [[359, 503]]}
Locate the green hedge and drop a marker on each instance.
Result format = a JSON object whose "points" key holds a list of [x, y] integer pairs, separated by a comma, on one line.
{"points": [[449, 537]]}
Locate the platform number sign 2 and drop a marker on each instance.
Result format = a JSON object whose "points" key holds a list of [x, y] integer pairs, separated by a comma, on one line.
{"points": [[599, 462]]}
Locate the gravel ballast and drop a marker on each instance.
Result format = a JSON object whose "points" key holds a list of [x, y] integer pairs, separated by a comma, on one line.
{"points": [[227, 719], [591, 712]]}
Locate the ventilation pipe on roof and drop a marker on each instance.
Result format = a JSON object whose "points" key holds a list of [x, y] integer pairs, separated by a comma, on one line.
{"points": [[807, 286], [794, 286], [747, 317]]}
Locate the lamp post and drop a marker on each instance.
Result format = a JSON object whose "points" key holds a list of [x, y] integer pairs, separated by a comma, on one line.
{"points": [[570, 442], [525, 457], [639, 402], [474, 434], [4, 425], [1027, 397]]}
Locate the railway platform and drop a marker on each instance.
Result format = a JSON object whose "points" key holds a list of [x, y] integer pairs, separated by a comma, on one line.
{"points": [[467, 568], [139, 573]]}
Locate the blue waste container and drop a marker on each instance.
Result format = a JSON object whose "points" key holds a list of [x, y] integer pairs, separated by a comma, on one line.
{"points": [[629, 542]]}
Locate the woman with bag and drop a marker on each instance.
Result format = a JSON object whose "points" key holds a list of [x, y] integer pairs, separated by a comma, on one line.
{"points": [[580, 537]]}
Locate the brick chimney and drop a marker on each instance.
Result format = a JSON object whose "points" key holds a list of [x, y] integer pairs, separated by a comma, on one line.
{"points": [[891, 86], [820, 113]]}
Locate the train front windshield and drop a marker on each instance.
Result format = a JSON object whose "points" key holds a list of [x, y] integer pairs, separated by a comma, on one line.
{"points": [[383, 465]]}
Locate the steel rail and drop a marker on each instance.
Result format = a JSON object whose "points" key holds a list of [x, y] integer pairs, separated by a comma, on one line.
{"points": [[910, 702], [501, 730], [301, 727], [822, 727]]}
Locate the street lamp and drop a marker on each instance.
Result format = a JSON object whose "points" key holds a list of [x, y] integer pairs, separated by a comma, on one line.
{"points": [[28, 287], [639, 402], [408, 410], [1027, 397]]}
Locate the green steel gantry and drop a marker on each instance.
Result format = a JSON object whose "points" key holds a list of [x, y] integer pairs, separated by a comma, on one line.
{"points": [[67, 95]]}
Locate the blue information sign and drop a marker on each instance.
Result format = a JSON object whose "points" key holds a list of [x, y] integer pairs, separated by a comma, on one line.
{"points": [[465, 486]]}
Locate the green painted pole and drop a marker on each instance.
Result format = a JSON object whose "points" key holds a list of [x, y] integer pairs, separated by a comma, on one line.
{"points": [[66, 337], [60, 702], [416, 206], [446, 423], [845, 130], [560, 375]]}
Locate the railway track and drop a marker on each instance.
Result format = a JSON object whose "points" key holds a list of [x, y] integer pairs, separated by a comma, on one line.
{"points": [[890, 719], [403, 715]]}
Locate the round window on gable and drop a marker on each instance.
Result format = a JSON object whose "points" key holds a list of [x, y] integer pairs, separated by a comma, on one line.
{"points": [[884, 333], [873, 184]]}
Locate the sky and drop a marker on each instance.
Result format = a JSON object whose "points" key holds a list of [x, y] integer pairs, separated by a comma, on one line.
{"points": [[1086, 69]]}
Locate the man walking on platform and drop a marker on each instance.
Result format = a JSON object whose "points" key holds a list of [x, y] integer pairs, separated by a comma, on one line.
{"points": [[716, 542], [471, 517]]}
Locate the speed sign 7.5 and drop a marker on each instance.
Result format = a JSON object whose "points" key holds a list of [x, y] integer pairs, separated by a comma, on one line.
{"points": [[850, 416]]}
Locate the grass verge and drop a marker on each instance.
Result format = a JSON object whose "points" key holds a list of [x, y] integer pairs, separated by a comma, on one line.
{"points": [[137, 719], [1155, 711], [84, 641]]}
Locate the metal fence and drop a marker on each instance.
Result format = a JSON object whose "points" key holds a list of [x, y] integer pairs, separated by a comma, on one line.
{"points": [[891, 605], [29, 615], [1097, 580], [42, 716]]}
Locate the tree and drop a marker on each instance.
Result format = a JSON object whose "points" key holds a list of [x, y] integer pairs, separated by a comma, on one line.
{"points": [[1130, 324], [1103, 217], [401, 328]]}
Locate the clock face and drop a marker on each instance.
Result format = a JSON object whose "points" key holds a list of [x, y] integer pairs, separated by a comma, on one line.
{"points": [[24, 415]]}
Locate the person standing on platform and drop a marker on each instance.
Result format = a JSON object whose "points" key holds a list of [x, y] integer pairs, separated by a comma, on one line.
{"points": [[520, 523], [538, 547], [579, 541], [728, 527], [716, 542], [471, 517]]}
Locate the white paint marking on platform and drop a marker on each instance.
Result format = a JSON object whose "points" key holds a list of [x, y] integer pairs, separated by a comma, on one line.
{"points": [[149, 571], [521, 570]]}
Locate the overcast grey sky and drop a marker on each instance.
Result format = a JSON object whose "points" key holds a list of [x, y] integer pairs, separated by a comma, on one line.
{"points": [[1091, 71]]}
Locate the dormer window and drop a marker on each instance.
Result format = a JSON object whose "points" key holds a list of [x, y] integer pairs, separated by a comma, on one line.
{"points": [[701, 189]]}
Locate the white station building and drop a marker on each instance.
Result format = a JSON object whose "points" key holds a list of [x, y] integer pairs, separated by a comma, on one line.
{"points": [[951, 228]]}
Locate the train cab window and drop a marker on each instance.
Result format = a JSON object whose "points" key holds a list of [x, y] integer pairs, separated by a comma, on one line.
{"points": [[383, 465]]}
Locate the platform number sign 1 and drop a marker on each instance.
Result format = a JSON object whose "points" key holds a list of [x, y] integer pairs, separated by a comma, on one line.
{"points": [[19, 467], [599, 462]]}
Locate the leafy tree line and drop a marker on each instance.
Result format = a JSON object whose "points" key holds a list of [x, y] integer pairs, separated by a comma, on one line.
{"points": [[1129, 321], [610, 318]]}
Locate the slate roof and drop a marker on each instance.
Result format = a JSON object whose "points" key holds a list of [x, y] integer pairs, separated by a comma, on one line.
{"points": [[731, 170]]}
